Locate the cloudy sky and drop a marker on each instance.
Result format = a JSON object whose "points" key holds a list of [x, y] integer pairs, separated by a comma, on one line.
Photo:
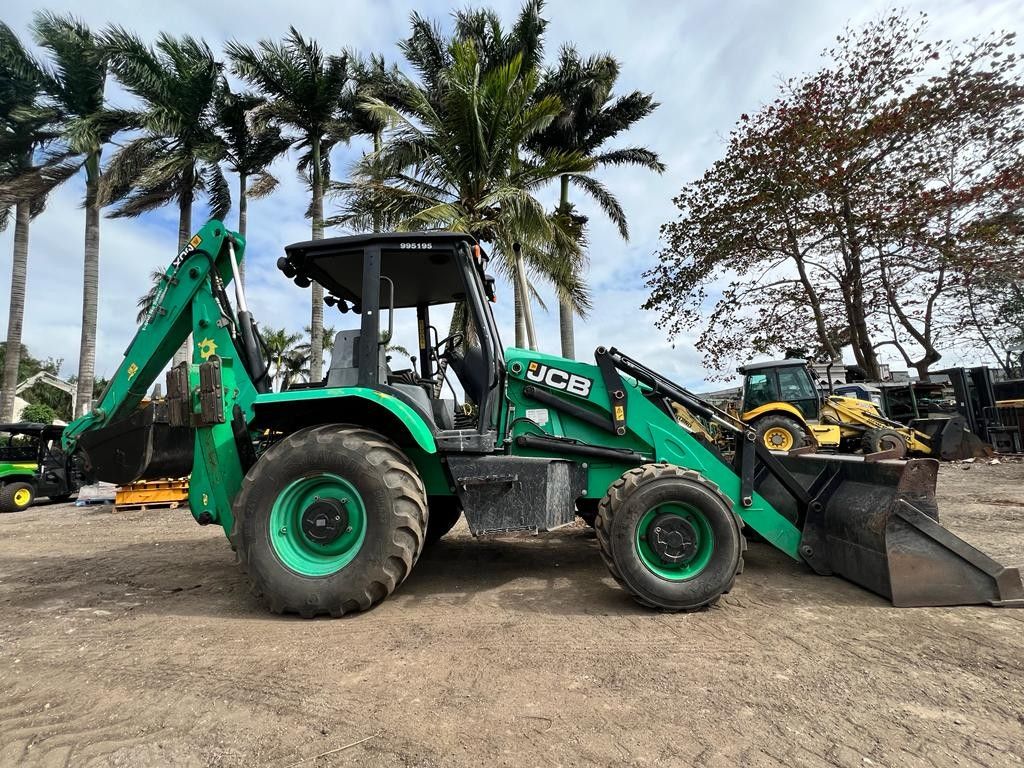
{"points": [[706, 61]]}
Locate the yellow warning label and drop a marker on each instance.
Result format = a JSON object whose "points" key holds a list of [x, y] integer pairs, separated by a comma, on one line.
{"points": [[620, 413], [132, 370]]}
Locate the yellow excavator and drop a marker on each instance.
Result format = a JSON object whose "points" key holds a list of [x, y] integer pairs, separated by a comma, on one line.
{"points": [[787, 407]]}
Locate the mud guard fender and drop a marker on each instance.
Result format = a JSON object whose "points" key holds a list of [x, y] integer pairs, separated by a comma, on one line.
{"points": [[343, 398], [778, 407]]}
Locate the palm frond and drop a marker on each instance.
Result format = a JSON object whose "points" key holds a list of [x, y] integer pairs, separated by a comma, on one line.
{"points": [[146, 197], [37, 181], [218, 193], [263, 185], [638, 156], [605, 199]]}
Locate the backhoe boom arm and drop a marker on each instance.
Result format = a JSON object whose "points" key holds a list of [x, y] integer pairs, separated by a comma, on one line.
{"points": [[166, 325]]}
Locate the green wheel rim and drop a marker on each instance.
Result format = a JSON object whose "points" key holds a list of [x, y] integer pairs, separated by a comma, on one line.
{"points": [[696, 563], [294, 547]]}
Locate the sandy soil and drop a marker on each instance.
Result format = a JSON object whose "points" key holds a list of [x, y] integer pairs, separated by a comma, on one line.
{"points": [[129, 640]]}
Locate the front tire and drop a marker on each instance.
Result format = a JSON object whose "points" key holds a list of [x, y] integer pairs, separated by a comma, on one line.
{"points": [[878, 440], [15, 497], [330, 520], [670, 537], [780, 433]]}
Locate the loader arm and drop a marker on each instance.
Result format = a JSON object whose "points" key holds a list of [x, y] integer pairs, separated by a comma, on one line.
{"points": [[870, 519]]}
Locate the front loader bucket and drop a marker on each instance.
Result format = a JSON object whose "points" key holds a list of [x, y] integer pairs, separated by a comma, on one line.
{"points": [[142, 447], [875, 523], [950, 438]]}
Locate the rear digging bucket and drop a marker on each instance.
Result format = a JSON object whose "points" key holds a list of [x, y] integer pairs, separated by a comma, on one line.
{"points": [[875, 523], [142, 447]]}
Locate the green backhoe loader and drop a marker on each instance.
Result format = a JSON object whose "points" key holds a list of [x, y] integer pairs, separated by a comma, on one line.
{"points": [[330, 491]]}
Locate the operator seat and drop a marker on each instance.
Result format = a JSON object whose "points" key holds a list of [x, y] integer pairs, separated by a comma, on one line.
{"points": [[344, 370], [469, 366]]}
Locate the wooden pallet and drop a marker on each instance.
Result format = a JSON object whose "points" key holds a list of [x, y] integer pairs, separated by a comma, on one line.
{"points": [[147, 507], [152, 494]]}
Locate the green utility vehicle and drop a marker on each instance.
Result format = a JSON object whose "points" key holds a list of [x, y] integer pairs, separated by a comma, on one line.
{"points": [[33, 464], [330, 491]]}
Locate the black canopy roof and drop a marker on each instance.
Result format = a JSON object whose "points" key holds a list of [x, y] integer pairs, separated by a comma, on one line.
{"points": [[420, 264], [751, 367], [30, 428]]}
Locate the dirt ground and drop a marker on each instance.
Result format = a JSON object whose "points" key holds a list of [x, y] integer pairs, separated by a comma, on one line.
{"points": [[129, 639]]}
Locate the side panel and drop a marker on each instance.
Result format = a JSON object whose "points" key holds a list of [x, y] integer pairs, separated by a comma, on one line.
{"points": [[9, 472]]}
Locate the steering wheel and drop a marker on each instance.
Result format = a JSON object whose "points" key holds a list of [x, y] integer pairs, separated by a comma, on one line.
{"points": [[447, 344]]}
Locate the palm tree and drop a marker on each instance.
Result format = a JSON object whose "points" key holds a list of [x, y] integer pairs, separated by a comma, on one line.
{"points": [[590, 117], [307, 91], [281, 345], [455, 160], [177, 154], [295, 368], [372, 79], [74, 79], [21, 92], [304, 350], [250, 145], [429, 52]]}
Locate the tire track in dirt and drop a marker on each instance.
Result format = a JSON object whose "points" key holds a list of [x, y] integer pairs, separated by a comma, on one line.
{"points": [[513, 651]]}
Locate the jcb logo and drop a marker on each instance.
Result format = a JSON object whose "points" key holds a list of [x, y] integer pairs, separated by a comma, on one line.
{"points": [[557, 379]]}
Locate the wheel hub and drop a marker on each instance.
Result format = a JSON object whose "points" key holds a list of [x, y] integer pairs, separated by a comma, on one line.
{"points": [[325, 520], [778, 438], [672, 538]]}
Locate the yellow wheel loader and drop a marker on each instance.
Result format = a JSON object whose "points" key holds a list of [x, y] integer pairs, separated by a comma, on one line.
{"points": [[787, 408]]}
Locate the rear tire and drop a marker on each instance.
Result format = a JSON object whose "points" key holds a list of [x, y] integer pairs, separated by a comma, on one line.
{"points": [[445, 512], [877, 440], [15, 497], [781, 433], [682, 577], [329, 481]]}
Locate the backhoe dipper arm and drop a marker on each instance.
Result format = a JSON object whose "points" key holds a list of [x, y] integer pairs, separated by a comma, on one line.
{"points": [[167, 324]]}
